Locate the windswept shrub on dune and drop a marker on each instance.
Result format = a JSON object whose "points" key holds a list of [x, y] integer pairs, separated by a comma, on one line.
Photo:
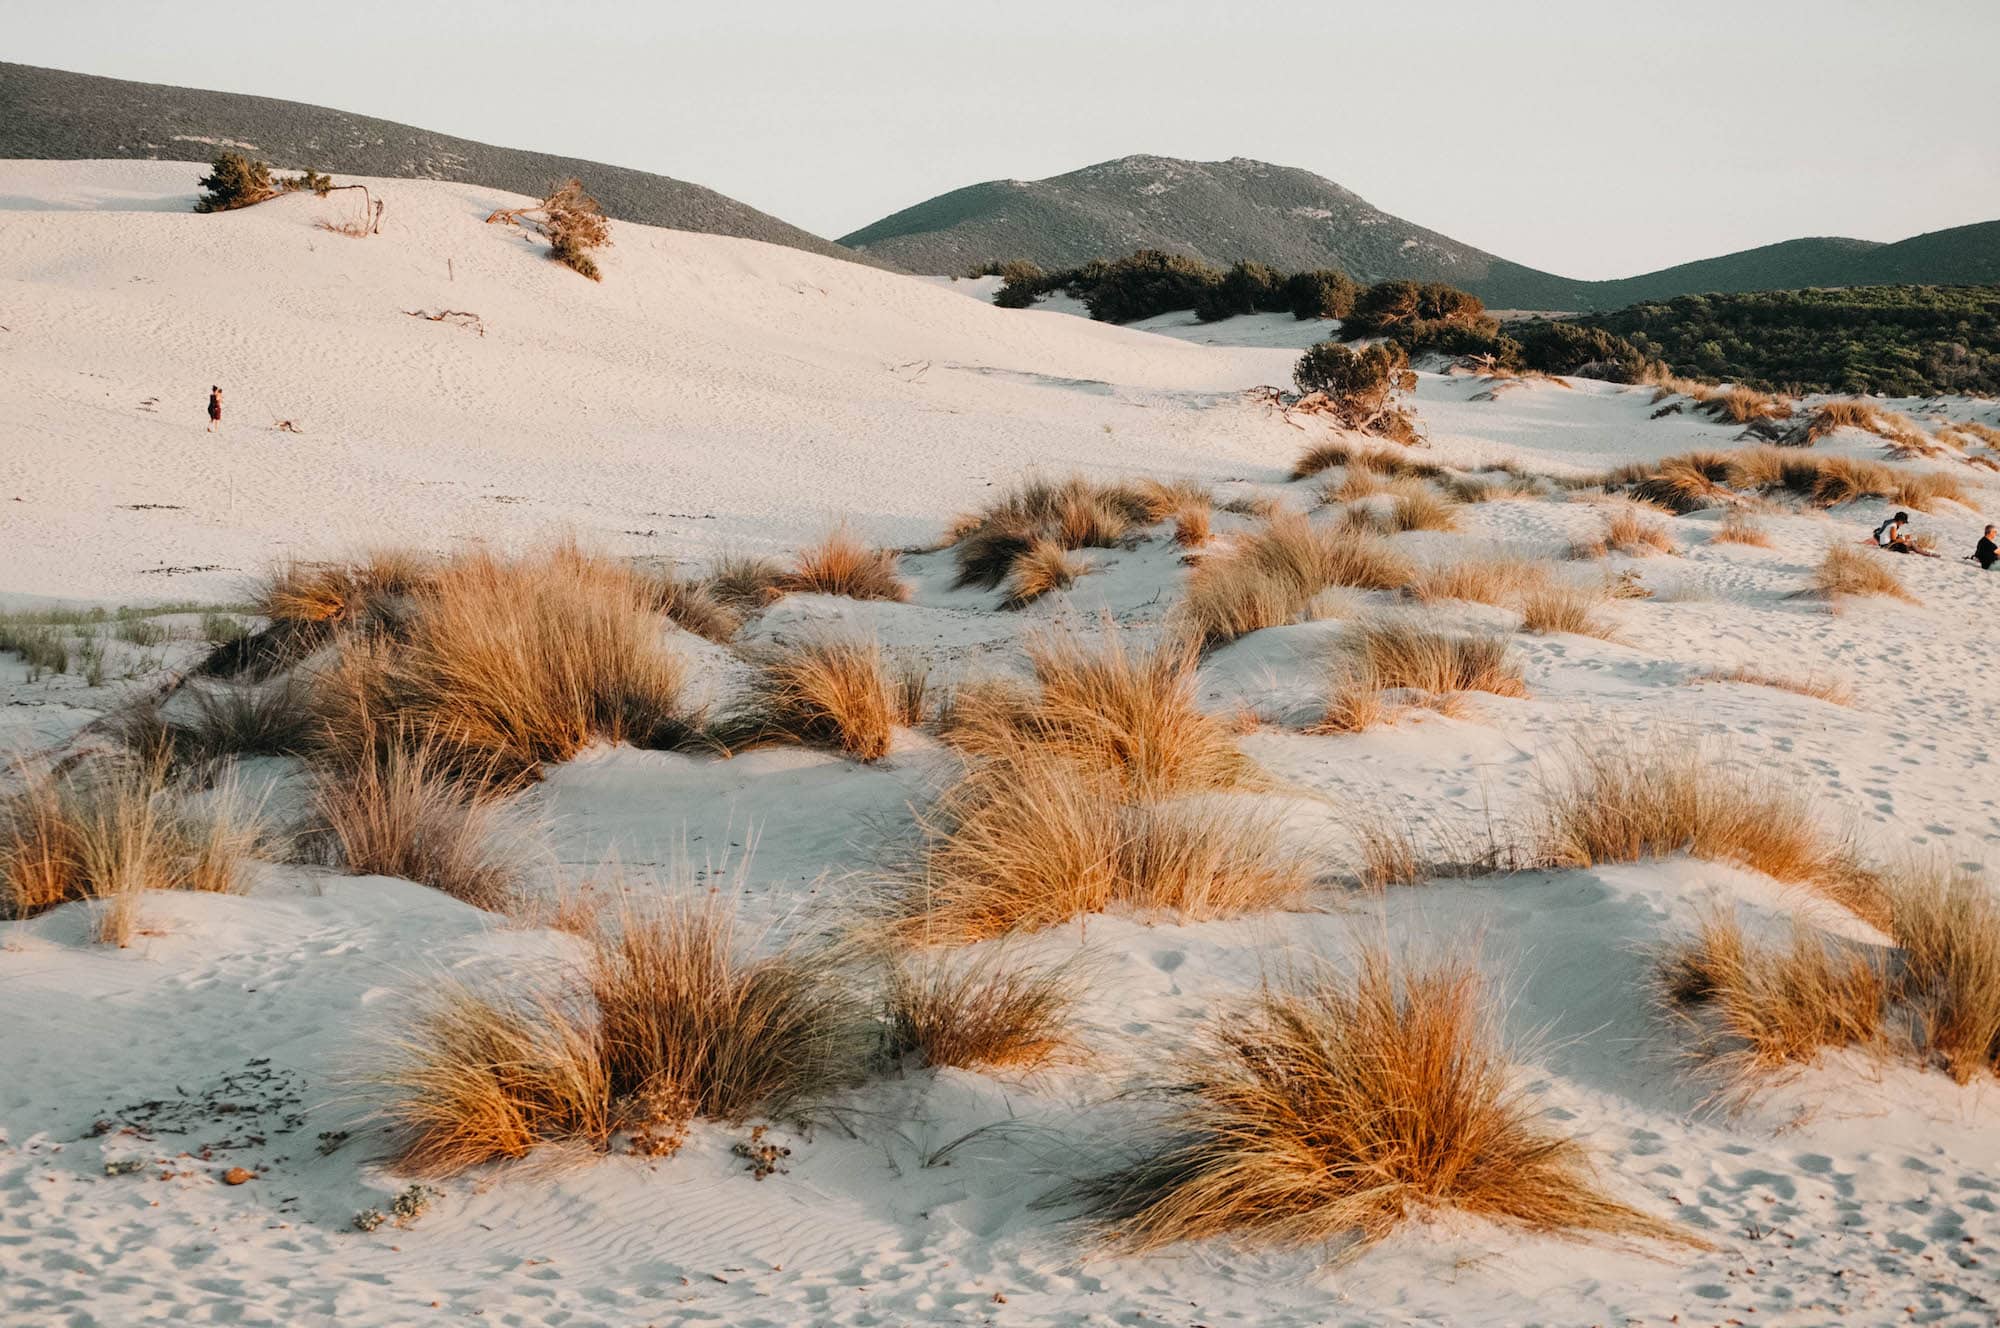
{"points": [[1361, 389], [745, 582], [1271, 575], [1653, 798], [823, 692], [1338, 1108], [673, 1017], [991, 1012], [500, 664], [573, 223], [1422, 509], [1852, 569], [1031, 838], [1685, 483], [110, 827]]}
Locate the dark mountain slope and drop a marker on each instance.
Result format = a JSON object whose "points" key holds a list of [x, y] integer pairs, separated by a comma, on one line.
{"points": [[51, 114]]}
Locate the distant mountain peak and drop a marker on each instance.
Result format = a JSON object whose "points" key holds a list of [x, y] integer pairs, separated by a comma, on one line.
{"points": [[1292, 219]]}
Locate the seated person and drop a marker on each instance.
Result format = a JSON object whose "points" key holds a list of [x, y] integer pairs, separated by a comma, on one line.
{"points": [[1889, 535], [1987, 553]]}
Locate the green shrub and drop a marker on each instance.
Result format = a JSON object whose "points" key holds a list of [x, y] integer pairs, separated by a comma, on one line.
{"points": [[1570, 348], [1391, 308], [1149, 282], [234, 181], [1360, 386], [1321, 293], [1247, 288], [1025, 283]]}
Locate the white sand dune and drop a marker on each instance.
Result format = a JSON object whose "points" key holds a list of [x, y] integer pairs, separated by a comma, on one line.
{"points": [[719, 393]]}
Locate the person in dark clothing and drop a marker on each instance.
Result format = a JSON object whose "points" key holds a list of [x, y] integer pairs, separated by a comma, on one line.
{"points": [[214, 408], [1986, 553]]}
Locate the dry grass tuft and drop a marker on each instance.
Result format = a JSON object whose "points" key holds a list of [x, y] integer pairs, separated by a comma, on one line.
{"points": [[695, 606], [1743, 405], [1736, 527], [674, 1017], [1853, 569], [988, 1013], [405, 815], [1383, 462], [268, 719], [841, 564], [1565, 608], [1948, 925], [1341, 1108], [1755, 1009], [1399, 652], [1105, 707], [746, 582], [1042, 568], [1684, 483], [1628, 531], [1029, 839], [1426, 667], [1831, 690], [1422, 510], [1072, 513], [1272, 574], [502, 664], [1497, 579], [824, 692], [1648, 800], [107, 828]]}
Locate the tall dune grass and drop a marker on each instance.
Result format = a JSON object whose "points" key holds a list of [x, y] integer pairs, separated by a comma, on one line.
{"points": [[1337, 1108], [673, 1015], [109, 828], [1029, 838], [991, 1012], [1640, 799], [1128, 712], [501, 664], [1851, 569], [841, 564], [1272, 574], [825, 691]]}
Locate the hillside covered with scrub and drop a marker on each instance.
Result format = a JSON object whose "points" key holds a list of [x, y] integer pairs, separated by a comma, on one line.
{"points": [[761, 790]]}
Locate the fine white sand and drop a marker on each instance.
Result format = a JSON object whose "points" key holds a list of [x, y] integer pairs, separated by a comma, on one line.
{"points": [[714, 394]]}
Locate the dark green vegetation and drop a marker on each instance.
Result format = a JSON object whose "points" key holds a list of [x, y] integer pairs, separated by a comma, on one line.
{"points": [[1899, 340], [49, 114], [1216, 212]]}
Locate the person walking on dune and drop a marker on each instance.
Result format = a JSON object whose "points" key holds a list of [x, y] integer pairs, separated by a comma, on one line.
{"points": [[214, 408]]}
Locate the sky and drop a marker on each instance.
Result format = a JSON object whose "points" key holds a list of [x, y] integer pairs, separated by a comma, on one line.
{"points": [[1595, 140]]}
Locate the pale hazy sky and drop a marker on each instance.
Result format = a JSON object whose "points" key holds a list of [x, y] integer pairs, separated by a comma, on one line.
{"points": [[1592, 139]]}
